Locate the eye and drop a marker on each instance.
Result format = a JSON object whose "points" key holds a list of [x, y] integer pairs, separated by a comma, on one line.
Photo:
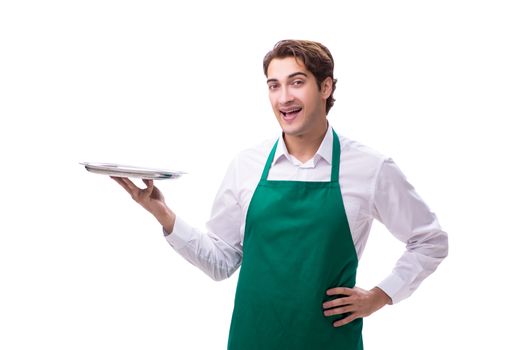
{"points": [[297, 82], [272, 86]]}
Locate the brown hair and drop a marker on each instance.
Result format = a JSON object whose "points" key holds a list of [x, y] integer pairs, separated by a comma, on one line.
{"points": [[315, 56]]}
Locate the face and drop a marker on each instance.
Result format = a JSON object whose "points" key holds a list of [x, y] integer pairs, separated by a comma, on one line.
{"points": [[298, 104]]}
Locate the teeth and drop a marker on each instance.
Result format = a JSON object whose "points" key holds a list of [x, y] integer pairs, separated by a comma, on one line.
{"points": [[292, 111]]}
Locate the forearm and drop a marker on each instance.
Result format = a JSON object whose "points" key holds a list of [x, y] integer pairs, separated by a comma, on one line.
{"points": [[207, 251], [421, 259]]}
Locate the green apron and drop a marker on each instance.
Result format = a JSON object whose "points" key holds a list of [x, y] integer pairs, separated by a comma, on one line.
{"points": [[297, 245]]}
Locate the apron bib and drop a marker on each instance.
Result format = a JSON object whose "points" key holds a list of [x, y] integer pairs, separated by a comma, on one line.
{"points": [[297, 244]]}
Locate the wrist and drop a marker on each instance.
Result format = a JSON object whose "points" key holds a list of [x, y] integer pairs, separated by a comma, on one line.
{"points": [[167, 220], [381, 297]]}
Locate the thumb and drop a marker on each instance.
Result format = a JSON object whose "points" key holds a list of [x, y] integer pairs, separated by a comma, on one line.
{"points": [[150, 186]]}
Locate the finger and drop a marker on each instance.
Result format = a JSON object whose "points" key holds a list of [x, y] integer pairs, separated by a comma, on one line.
{"points": [[150, 186], [345, 320], [337, 302], [339, 290], [130, 184], [133, 190], [340, 310], [122, 183]]}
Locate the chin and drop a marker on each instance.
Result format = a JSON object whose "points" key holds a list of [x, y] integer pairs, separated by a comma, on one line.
{"points": [[289, 130]]}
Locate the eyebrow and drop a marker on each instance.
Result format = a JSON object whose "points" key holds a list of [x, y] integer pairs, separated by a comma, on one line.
{"points": [[289, 77]]}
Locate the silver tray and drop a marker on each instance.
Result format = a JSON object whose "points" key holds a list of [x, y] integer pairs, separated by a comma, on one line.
{"points": [[120, 170]]}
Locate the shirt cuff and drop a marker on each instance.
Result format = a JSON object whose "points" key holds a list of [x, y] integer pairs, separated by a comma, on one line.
{"points": [[392, 286], [181, 235]]}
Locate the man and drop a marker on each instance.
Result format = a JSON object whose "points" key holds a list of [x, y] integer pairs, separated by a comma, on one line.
{"points": [[297, 214]]}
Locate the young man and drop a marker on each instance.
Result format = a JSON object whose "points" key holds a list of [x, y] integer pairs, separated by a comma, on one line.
{"points": [[296, 214]]}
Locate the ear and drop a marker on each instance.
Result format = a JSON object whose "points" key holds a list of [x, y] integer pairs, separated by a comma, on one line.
{"points": [[326, 87]]}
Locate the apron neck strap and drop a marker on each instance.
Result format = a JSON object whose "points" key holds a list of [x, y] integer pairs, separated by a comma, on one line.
{"points": [[269, 161], [335, 159]]}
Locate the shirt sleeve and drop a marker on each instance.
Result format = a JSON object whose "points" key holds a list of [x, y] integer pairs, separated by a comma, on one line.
{"points": [[218, 251], [408, 218]]}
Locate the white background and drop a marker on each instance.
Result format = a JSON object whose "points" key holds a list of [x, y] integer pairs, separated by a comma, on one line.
{"points": [[438, 86]]}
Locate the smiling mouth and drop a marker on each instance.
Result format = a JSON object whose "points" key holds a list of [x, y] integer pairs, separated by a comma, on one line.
{"points": [[291, 114]]}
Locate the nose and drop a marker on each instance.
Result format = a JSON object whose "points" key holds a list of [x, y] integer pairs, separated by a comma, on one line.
{"points": [[285, 96]]}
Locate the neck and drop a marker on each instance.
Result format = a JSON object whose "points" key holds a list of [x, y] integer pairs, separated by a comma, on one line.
{"points": [[303, 147]]}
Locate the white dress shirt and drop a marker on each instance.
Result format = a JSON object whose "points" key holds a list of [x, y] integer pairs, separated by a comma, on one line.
{"points": [[372, 187]]}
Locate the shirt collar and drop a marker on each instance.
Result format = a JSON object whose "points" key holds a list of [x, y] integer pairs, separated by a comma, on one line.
{"points": [[325, 151]]}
